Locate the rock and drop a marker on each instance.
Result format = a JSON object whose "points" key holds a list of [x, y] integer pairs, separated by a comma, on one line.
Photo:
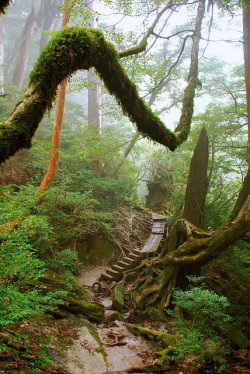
{"points": [[111, 315], [94, 311], [107, 303], [118, 298]]}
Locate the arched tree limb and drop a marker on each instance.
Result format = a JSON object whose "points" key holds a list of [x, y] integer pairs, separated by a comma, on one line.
{"points": [[74, 49], [69, 51]]}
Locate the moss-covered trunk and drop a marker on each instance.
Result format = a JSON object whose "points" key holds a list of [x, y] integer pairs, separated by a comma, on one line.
{"points": [[242, 197], [196, 192]]}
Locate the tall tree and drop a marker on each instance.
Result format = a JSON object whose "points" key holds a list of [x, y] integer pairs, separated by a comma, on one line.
{"points": [[48, 14], [24, 49], [245, 190], [57, 128], [1, 57], [94, 93], [246, 49], [197, 185]]}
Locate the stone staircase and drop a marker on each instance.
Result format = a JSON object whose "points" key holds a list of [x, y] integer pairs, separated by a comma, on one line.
{"points": [[134, 257]]}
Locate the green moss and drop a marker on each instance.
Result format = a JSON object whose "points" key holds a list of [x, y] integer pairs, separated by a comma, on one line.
{"points": [[163, 359], [94, 311], [118, 298], [68, 51], [163, 339], [156, 314]]}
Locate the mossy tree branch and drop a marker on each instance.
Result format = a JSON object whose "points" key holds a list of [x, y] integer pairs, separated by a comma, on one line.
{"points": [[141, 47], [74, 49], [183, 127], [69, 51]]}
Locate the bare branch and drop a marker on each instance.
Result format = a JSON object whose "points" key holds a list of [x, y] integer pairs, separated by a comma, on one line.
{"points": [[143, 44]]}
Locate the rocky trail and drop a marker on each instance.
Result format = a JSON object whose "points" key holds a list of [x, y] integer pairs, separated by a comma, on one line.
{"points": [[104, 348]]}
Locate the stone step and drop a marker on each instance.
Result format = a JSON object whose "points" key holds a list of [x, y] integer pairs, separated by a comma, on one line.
{"points": [[124, 264], [111, 272], [127, 260], [135, 251], [106, 277], [117, 267], [133, 255]]}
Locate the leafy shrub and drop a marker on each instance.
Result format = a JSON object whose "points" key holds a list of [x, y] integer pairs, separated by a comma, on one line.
{"points": [[200, 311], [20, 261], [19, 269], [64, 261]]}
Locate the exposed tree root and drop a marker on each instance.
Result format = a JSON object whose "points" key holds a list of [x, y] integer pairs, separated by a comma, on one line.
{"points": [[151, 284]]}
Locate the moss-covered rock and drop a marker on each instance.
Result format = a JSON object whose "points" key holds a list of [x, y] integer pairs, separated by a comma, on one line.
{"points": [[118, 298], [76, 299], [162, 339]]}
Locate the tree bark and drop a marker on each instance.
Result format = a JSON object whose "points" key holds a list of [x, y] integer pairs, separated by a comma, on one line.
{"points": [[156, 278], [242, 197], [1, 57], [246, 49], [48, 14], [57, 128], [197, 185], [94, 93]]}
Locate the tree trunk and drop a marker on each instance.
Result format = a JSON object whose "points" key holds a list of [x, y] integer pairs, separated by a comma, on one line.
{"points": [[242, 197], [151, 284], [24, 50], [57, 128], [126, 153], [48, 14], [246, 49], [1, 57], [94, 93], [197, 185]]}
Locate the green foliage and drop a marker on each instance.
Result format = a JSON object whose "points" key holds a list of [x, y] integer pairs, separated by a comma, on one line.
{"points": [[22, 257], [64, 261], [229, 275], [200, 312], [205, 306], [20, 267]]}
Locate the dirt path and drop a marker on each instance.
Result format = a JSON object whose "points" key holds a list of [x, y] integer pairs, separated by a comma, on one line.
{"points": [[114, 349]]}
